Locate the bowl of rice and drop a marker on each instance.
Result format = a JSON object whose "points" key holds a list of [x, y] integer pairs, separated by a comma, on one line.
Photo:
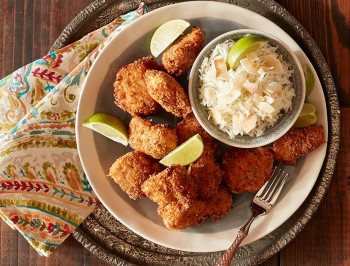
{"points": [[254, 103]]}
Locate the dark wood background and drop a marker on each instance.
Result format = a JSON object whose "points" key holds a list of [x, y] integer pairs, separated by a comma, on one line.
{"points": [[28, 29]]}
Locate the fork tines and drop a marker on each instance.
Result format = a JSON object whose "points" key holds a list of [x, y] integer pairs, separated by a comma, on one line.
{"points": [[272, 188]]}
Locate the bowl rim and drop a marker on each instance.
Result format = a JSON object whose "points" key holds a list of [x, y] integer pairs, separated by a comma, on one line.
{"points": [[228, 140]]}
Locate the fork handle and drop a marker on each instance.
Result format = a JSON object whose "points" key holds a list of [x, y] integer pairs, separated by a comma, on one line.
{"points": [[227, 257]]}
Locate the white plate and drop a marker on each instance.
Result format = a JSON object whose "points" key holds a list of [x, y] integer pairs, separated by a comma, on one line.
{"points": [[97, 153]]}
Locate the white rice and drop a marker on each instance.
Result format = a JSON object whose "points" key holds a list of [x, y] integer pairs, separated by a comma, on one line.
{"points": [[248, 100]]}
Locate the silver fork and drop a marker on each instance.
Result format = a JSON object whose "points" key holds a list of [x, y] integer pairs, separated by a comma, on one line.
{"points": [[261, 204]]}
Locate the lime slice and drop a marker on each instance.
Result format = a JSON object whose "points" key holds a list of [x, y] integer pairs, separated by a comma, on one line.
{"points": [[309, 80], [241, 48], [307, 117], [166, 34], [109, 126], [186, 153]]}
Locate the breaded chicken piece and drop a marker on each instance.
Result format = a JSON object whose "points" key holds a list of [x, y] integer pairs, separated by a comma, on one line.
{"points": [[205, 169], [180, 56], [218, 205], [131, 170], [176, 216], [165, 90], [207, 173], [171, 185], [129, 88], [188, 127], [246, 170], [152, 139], [298, 142]]}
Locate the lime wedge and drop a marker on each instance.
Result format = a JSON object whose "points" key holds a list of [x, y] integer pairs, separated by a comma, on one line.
{"points": [[309, 80], [241, 48], [307, 117], [186, 153], [166, 34], [109, 126]]}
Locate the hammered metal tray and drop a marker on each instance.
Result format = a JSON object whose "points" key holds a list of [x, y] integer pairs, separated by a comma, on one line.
{"points": [[108, 239]]}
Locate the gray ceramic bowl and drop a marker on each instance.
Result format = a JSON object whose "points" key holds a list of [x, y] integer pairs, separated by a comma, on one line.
{"points": [[284, 123]]}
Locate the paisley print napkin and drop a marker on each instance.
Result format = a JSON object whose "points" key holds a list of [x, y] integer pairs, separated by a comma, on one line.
{"points": [[43, 191]]}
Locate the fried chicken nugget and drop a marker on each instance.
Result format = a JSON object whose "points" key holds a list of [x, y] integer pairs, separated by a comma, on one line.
{"points": [[207, 173], [246, 170], [165, 90], [129, 88], [188, 127], [171, 185], [177, 217], [131, 170], [205, 170], [179, 57], [218, 205], [152, 139], [297, 143]]}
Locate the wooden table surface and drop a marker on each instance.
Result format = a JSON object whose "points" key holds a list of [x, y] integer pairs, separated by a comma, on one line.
{"points": [[29, 28]]}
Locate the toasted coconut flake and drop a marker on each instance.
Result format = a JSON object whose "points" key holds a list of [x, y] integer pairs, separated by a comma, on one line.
{"points": [[269, 100], [251, 87], [273, 63], [248, 123], [265, 107], [273, 87], [236, 128], [221, 68], [249, 66]]}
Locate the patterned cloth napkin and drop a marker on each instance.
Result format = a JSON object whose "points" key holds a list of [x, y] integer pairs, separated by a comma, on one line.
{"points": [[43, 191]]}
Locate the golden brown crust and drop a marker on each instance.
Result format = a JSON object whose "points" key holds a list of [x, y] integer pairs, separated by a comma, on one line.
{"points": [[297, 143], [188, 127], [165, 90], [207, 173], [130, 89], [246, 170], [218, 205], [179, 57], [171, 185], [176, 216], [205, 169], [131, 170], [152, 139]]}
